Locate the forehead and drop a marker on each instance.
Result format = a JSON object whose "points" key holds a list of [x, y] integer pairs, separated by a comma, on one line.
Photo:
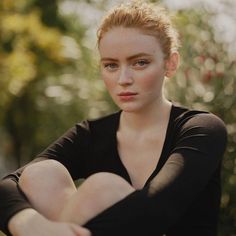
{"points": [[123, 42]]}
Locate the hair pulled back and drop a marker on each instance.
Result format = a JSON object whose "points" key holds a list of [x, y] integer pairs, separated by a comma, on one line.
{"points": [[150, 18]]}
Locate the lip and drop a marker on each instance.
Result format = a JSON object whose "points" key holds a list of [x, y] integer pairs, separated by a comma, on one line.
{"points": [[127, 96]]}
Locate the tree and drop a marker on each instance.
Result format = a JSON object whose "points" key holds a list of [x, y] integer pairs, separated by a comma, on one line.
{"points": [[49, 81], [47, 76], [206, 81]]}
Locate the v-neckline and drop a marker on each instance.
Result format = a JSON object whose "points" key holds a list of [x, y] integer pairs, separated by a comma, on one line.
{"points": [[160, 160]]}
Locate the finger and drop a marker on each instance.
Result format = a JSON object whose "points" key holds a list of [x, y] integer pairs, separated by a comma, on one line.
{"points": [[80, 231], [84, 232]]}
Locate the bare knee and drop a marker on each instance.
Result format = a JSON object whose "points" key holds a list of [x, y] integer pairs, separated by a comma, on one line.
{"points": [[98, 192], [106, 182], [42, 181], [43, 173]]}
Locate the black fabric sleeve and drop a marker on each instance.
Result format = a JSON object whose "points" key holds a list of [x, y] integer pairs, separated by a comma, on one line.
{"points": [[70, 150], [16, 202], [195, 156]]}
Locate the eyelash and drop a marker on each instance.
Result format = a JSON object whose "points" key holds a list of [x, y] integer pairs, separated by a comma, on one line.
{"points": [[146, 62], [143, 61], [109, 65]]}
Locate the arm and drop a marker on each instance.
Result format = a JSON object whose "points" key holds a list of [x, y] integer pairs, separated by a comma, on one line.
{"points": [[69, 150], [195, 156], [30, 222]]}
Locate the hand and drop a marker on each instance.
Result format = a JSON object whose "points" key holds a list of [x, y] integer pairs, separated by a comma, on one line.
{"points": [[60, 229], [29, 222]]}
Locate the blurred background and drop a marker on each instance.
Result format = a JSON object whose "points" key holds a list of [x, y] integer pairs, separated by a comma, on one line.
{"points": [[49, 75]]}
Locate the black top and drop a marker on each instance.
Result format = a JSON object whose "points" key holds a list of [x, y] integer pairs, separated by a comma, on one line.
{"points": [[186, 181]]}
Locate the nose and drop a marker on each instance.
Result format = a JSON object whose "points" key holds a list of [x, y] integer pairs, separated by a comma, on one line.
{"points": [[125, 77]]}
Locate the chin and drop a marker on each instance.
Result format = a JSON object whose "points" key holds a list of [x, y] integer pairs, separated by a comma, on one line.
{"points": [[130, 108]]}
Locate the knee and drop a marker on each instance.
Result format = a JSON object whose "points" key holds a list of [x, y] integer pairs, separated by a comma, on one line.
{"points": [[43, 172], [105, 182], [96, 193]]}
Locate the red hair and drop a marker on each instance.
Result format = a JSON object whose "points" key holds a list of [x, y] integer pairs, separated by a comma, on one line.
{"points": [[152, 19]]}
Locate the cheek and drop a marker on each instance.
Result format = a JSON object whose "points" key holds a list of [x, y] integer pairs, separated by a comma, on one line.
{"points": [[152, 79], [108, 81]]}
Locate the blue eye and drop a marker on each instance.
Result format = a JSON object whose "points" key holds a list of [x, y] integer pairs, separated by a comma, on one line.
{"points": [[110, 66], [141, 63]]}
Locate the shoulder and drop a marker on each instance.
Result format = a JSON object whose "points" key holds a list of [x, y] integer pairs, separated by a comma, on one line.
{"points": [[183, 116], [104, 124], [197, 118], [196, 125]]}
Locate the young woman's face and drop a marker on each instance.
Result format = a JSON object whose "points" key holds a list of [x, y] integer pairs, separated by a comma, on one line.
{"points": [[132, 67]]}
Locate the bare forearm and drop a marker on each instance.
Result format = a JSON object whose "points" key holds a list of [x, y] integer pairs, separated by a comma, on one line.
{"points": [[20, 222], [29, 222]]}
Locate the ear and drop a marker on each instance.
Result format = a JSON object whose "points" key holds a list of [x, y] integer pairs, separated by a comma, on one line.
{"points": [[172, 64]]}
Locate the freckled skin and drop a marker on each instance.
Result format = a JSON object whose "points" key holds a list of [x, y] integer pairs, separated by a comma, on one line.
{"points": [[142, 74]]}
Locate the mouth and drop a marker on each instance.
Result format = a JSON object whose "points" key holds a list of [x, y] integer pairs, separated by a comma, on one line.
{"points": [[127, 96]]}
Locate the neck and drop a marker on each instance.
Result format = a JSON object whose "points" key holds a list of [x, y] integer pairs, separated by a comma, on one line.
{"points": [[146, 119]]}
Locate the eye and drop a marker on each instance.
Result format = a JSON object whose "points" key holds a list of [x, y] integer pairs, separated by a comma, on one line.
{"points": [[110, 66], [141, 63]]}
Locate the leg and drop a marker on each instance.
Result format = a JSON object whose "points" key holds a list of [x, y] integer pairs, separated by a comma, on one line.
{"points": [[51, 191], [48, 186], [98, 192]]}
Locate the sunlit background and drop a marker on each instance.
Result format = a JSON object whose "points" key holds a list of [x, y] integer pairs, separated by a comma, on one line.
{"points": [[49, 75]]}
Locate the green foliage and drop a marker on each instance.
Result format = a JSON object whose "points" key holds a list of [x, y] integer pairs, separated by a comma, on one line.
{"points": [[47, 77], [49, 81], [206, 81]]}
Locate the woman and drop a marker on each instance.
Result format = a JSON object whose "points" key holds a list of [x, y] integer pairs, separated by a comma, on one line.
{"points": [[151, 168]]}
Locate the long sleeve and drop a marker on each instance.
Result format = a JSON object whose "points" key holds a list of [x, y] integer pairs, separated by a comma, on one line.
{"points": [[70, 150], [193, 161]]}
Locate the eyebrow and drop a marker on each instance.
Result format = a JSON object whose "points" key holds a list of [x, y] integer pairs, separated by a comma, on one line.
{"points": [[129, 58]]}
